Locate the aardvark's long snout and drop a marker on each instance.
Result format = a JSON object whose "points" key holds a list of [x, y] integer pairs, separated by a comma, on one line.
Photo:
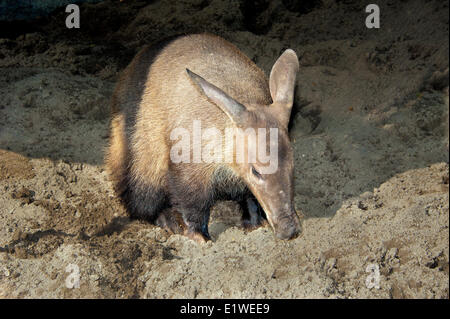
{"points": [[287, 226]]}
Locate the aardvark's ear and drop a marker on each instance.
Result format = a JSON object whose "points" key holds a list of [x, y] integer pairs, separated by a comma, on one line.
{"points": [[282, 84], [227, 104]]}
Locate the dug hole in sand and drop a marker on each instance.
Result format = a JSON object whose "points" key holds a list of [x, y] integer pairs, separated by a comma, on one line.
{"points": [[369, 129]]}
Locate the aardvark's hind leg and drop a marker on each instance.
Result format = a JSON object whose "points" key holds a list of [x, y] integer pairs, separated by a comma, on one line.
{"points": [[144, 201]]}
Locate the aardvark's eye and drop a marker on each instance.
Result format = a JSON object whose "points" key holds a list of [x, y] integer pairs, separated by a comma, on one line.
{"points": [[256, 173]]}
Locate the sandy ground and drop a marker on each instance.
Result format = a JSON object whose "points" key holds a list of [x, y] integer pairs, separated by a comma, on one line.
{"points": [[370, 133]]}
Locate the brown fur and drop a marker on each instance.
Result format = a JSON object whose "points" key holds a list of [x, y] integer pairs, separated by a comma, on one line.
{"points": [[153, 96]]}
